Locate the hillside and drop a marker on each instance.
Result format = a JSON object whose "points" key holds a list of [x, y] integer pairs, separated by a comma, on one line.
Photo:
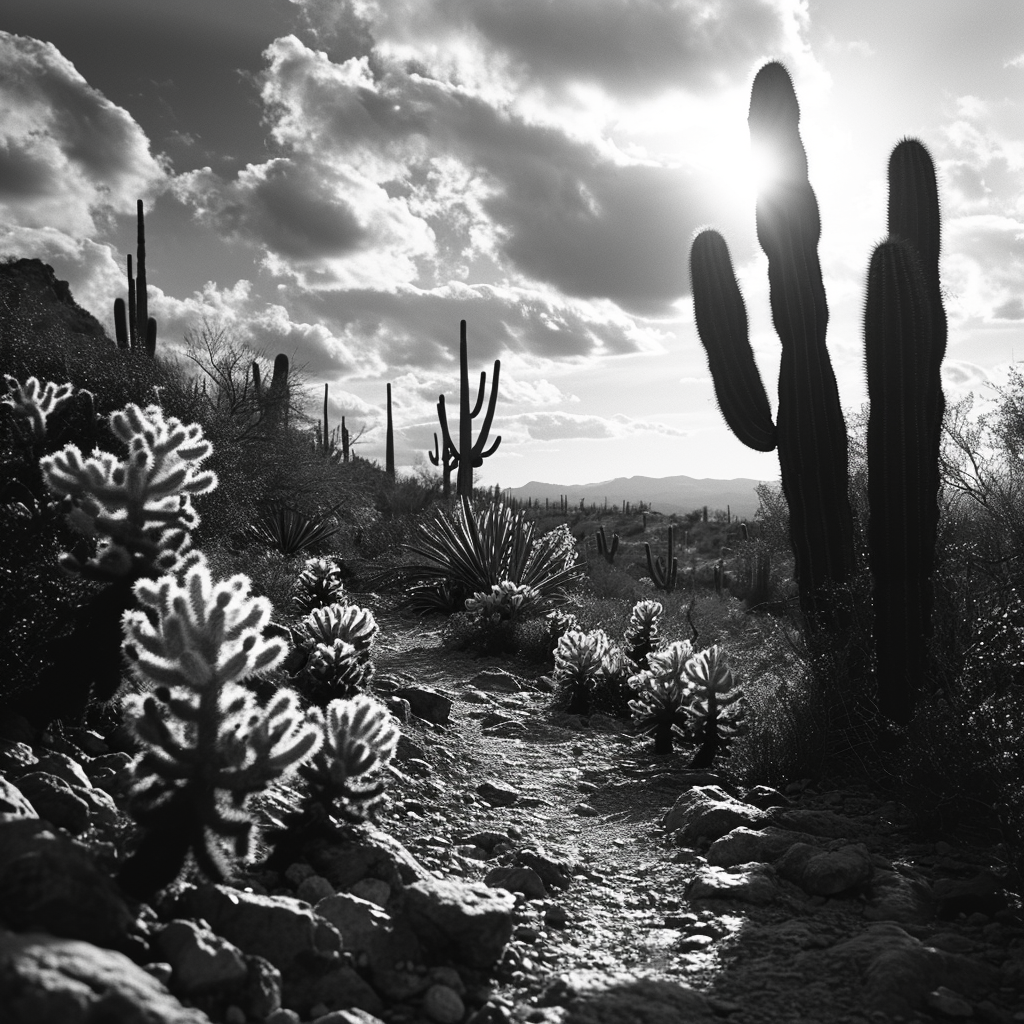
{"points": [[665, 494]]}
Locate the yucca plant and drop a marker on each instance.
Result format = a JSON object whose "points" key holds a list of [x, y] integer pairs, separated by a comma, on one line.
{"points": [[471, 552], [289, 531]]}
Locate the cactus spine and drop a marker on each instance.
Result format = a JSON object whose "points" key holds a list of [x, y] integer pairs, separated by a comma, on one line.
{"points": [[810, 432], [470, 456], [136, 328], [389, 448]]}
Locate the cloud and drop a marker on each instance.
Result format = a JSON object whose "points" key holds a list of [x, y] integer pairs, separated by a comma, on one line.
{"points": [[66, 152], [563, 426]]}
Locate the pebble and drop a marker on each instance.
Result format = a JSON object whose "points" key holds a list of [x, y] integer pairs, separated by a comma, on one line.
{"points": [[443, 1004]]}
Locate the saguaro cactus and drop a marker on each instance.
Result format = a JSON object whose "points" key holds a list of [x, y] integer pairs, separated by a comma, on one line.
{"points": [[447, 460], [470, 456], [277, 393], [389, 446], [810, 433], [136, 328], [664, 571], [905, 340]]}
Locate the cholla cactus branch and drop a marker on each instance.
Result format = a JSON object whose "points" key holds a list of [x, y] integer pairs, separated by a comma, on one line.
{"points": [[32, 403], [207, 737], [142, 506]]}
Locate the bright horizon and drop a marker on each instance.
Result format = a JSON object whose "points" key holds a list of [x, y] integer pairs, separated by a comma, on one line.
{"points": [[345, 181]]}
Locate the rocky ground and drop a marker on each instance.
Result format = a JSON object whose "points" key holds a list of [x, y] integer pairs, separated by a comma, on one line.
{"points": [[529, 867]]}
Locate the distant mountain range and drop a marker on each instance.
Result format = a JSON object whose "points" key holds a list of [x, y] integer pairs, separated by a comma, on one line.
{"points": [[665, 494]]}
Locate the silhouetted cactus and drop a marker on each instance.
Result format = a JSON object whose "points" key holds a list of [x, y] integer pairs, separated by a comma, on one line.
{"points": [[470, 456], [389, 444], [604, 548], [447, 460], [664, 571], [136, 328], [810, 433]]}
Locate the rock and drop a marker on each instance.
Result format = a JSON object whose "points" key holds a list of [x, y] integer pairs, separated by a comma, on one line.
{"points": [[426, 703], [748, 883], [983, 893], [55, 801], [408, 749], [102, 809], [50, 883], [13, 803], [279, 928], [341, 988], [50, 980], [364, 851], [948, 1003], [497, 680], [202, 961], [743, 845], [497, 794], [826, 824], [552, 871], [709, 811], [16, 758], [764, 797], [517, 879], [399, 707], [313, 889], [64, 767], [901, 896], [363, 926], [825, 872], [467, 920], [597, 997], [373, 890], [443, 1004]]}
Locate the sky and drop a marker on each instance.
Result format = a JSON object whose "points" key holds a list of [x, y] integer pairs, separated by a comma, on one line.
{"points": [[345, 180]]}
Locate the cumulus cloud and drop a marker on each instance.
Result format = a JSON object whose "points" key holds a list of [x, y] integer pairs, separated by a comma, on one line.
{"points": [[66, 152], [563, 426]]}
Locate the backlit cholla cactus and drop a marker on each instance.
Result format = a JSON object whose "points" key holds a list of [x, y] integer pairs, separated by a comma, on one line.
{"points": [[507, 601], [32, 403], [579, 664], [717, 710], [664, 690], [348, 622], [339, 641], [360, 737], [141, 507], [209, 743], [318, 585], [641, 634]]}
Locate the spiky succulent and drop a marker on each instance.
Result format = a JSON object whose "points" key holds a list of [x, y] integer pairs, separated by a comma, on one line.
{"points": [[641, 634], [31, 403], [209, 745], [348, 622], [717, 710], [664, 689], [579, 664], [318, 585], [507, 601], [334, 670]]}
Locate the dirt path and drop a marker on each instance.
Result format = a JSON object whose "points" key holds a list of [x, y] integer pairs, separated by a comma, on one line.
{"points": [[595, 797]]}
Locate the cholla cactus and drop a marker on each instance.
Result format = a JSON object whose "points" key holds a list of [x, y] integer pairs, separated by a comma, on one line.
{"points": [[507, 601], [354, 625], [360, 737], [209, 744], [664, 690], [642, 632], [32, 403], [318, 585], [141, 506], [579, 663], [718, 706], [334, 670]]}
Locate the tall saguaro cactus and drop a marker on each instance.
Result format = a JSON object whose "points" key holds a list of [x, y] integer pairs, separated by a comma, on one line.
{"points": [[389, 444], [810, 433], [135, 328], [905, 340], [447, 460], [470, 456]]}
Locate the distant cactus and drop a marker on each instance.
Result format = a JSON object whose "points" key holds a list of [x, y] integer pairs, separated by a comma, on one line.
{"points": [[447, 460], [134, 327], [470, 456], [664, 571], [209, 743], [389, 443], [604, 548]]}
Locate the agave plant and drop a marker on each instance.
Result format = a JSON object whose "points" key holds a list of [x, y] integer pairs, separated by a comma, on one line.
{"points": [[470, 552], [289, 531], [664, 690]]}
